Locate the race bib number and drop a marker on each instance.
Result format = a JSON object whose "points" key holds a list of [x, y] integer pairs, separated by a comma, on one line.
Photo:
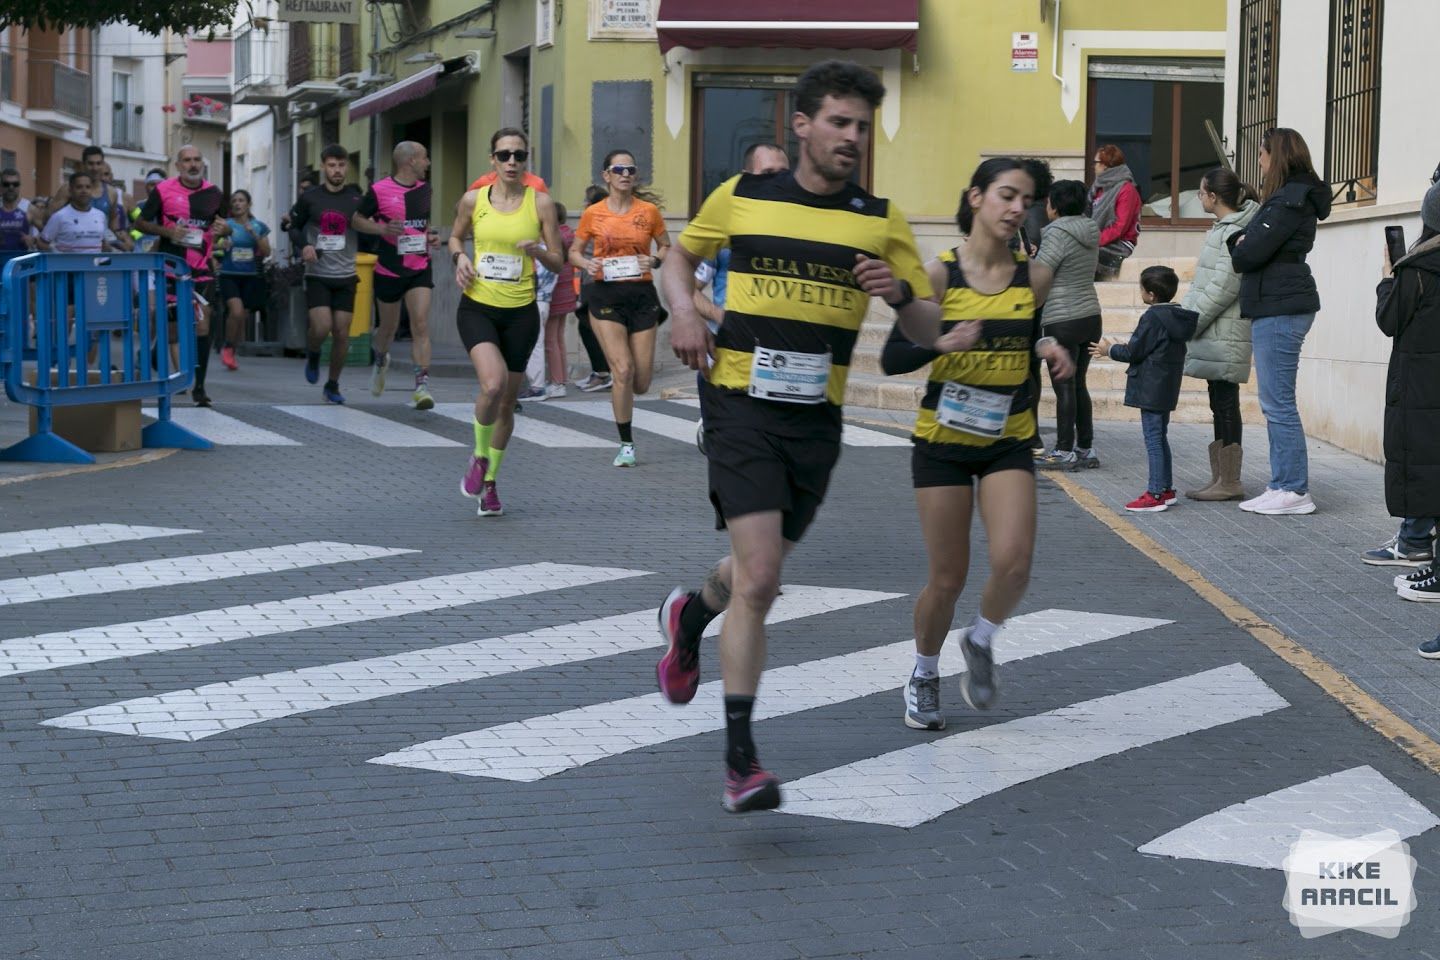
{"points": [[980, 413], [194, 237], [242, 254], [413, 243], [330, 241], [504, 267], [621, 268], [789, 376]]}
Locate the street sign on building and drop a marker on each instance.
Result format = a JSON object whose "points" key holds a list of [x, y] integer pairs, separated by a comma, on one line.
{"points": [[320, 11]]}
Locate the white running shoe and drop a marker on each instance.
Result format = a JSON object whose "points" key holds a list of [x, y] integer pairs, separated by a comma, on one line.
{"points": [[555, 390], [377, 374], [1286, 503], [1254, 503], [421, 398], [626, 456]]}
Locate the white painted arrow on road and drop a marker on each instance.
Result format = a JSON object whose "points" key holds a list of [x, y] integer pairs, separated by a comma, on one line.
{"points": [[47, 651], [908, 787], [1261, 831], [533, 749], [219, 707]]}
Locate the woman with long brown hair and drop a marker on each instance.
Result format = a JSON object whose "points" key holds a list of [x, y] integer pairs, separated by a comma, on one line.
{"points": [[1279, 297], [1219, 353]]}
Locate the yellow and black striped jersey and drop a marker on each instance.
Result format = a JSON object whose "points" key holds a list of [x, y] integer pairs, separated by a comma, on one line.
{"points": [[792, 289], [998, 364]]}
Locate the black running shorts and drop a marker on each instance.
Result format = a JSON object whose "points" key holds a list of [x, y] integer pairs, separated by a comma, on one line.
{"points": [[248, 288], [752, 471], [391, 289], [632, 304], [929, 470], [513, 330], [337, 293]]}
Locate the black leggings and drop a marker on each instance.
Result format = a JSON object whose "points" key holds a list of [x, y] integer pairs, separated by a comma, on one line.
{"points": [[1074, 414], [1225, 409]]}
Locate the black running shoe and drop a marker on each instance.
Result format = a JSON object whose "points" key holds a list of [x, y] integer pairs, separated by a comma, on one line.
{"points": [[978, 684]]}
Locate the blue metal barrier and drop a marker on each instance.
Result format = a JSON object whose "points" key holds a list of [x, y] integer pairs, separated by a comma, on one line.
{"points": [[76, 298]]}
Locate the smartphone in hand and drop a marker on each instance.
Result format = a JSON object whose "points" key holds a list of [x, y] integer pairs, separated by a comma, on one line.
{"points": [[1395, 243]]}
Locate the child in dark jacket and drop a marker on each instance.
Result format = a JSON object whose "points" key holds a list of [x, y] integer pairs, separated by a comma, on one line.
{"points": [[1156, 355]]}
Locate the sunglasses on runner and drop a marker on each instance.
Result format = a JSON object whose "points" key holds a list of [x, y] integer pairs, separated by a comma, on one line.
{"points": [[504, 155], [620, 170], [10, 184]]}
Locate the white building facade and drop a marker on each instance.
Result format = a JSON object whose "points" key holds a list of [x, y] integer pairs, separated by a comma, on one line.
{"points": [[129, 93], [1351, 77]]}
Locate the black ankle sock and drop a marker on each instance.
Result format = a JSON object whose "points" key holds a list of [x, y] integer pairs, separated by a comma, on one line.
{"points": [[625, 435], [695, 616], [202, 359], [739, 748]]}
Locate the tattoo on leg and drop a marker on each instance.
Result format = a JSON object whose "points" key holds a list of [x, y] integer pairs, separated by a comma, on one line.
{"points": [[718, 589]]}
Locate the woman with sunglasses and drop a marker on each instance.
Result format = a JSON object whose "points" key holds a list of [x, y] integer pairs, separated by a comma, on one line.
{"points": [[498, 318], [624, 307]]}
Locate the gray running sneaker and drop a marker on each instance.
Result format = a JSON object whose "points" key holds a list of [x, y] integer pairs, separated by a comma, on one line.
{"points": [[922, 704], [978, 684]]}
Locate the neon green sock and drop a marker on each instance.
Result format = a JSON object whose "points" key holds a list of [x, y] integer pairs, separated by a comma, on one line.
{"points": [[482, 437], [496, 458]]}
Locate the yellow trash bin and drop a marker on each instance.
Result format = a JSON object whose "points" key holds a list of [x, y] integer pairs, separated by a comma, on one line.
{"points": [[358, 355]]}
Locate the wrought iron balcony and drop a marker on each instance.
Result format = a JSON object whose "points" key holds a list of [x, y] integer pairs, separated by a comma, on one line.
{"points": [[60, 90]]}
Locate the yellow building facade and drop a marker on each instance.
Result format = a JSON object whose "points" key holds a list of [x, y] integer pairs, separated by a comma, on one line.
{"points": [[985, 77]]}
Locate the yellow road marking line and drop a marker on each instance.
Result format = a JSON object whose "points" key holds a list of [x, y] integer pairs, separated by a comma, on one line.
{"points": [[1362, 705], [149, 456]]}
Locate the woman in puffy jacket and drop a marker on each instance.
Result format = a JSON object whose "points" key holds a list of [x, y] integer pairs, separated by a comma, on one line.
{"points": [[1220, 352], [1279, 298]]}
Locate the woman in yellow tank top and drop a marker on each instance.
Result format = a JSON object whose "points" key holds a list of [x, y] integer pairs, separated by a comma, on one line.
{"points": [[498, 319], [974, 426]]}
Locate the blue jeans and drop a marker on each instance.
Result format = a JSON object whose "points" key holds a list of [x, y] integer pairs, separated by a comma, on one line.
{"points": [[1417, 533], [1154, 424], [1277, 358]]}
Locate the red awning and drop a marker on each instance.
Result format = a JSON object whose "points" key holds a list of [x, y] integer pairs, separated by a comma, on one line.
{"points": [[401, 91], [795, 24]]}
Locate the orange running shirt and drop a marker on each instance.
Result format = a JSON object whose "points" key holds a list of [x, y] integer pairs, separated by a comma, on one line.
{"points": [[622, 234]]}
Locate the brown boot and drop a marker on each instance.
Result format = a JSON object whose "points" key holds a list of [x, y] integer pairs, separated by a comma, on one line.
{"points": [[1228, 486], [1214, 448]]}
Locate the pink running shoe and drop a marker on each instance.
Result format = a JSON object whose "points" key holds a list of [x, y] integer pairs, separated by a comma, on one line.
{"points": [[677, 673], [756, 790], [490, 503], [473, 483]]}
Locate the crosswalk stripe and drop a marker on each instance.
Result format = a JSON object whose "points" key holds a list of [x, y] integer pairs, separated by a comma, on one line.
{"points": [[225, 431], [908, 787], [367, 426], [533, 749], [18, 542], [48, 651], [219, 707], [530, 429], [676, 428], [1260, 832], [173, 571]]}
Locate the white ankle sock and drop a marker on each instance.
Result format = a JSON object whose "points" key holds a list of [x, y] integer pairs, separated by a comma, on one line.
{"points": [[927, 668], [982, 630]]}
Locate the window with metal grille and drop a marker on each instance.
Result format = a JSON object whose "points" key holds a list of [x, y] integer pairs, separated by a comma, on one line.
{"points": [[1352, 127], [1260, 67]]}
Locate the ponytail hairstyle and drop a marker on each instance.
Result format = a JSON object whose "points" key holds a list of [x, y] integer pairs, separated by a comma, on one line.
{"points": [[1289, 158], [984, 175], [1228, 187]]}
